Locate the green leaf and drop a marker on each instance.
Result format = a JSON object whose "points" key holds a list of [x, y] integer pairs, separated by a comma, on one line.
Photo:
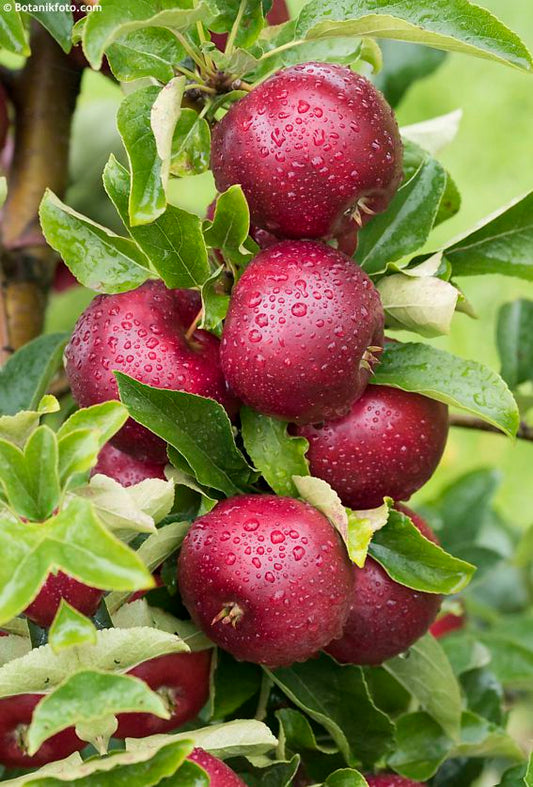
{"points": [[134, 508], [345, 777], [427, 675], [480, 738], [215, 301], [197, 427], [515, 342], [98, 258], [231, 221], [173, 243], [436, 133], [103, 419], [78, 452], [422, 745], [13, 35], [511, 659], [229, 694], [115, 651], [123, 769], [246, 737], [58, 23], [361, 528], [412, 560], [296, 733], [503, 244], [3, 190], [25, 377], [70, 629], [191, 145], [85, 699], [403, 65], [249, 23], [147, 199], [274, 452], [406, 223], [119, 17], [468, 385], [464, 652], [453, 25], [30, 478], [148, 52], [329, 693], [417, 300], [165, 113], [74, 541]]}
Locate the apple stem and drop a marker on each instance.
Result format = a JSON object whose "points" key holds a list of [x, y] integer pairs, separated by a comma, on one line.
{"points": [[194, 324]]}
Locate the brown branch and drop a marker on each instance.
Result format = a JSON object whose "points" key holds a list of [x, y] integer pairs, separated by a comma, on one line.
{"points": [[525, 432], [44, 94]]}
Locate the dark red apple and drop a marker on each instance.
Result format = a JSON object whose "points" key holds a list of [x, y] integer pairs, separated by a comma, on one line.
{"points": [[385, 618], [15, 718], [57, 586], [390, 780], [182, 680], [267, 578], [389, 444], [304, 327], [124, 468], [220, 775], [143, 334], [310, 146], [447, 623]]}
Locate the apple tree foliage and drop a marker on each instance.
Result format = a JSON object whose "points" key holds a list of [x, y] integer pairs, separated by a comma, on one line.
{"points": [[435, 713]]}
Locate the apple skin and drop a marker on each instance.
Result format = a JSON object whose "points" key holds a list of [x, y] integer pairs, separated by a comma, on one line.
{"points": [[390, 780], [43, 608], [385, 618], [182, 679], [15, 717], [280, 570], [299, 324], [447, 623], [389, 444], [220, 775], [307, 145], [142, 333], [124, 468]]}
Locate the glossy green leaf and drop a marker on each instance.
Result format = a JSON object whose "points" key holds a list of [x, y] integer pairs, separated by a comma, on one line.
{"points": [[147, 52], [246, 15], [406, 223], [78, 452], [134, 508], [328, 693], [297, 734], [345, 777], [503, 244], [454, 25], [85, 699], [70, 628], [464, 652], [25, 377], [165, 113], [147, 199], [30, 478], [115, 651], [75, 541], [468, 385], [427, 675], [191, 145], [215, 301], [173, 243], [123, 769], [361, 528], [231, 221], [412, 560], [119, 17], [13, 35], [242, 737], [511, 659], [422, 745], [484, 694], [480, 738], [403, 65], [98, 258], [3, 189], [58, 22], [230, 694], [103, 419], [435, 134], [197, 427], [515, 341], [278, 455]]}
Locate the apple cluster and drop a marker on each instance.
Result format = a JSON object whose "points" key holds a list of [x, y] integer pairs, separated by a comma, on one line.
{"points": [[317, 151]]}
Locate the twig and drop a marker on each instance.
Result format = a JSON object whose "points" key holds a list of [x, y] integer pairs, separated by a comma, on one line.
{"points": [[525, 432]]}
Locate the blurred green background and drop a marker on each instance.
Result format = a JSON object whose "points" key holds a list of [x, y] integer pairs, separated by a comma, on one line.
{"points": [[491, 162]]}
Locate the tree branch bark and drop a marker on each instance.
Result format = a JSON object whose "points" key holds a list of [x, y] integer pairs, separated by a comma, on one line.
{"points": [[525, 432], [44, 95]]}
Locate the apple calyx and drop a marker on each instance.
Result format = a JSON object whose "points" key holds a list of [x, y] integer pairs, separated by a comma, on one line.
{"points": [[230, 614]]}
